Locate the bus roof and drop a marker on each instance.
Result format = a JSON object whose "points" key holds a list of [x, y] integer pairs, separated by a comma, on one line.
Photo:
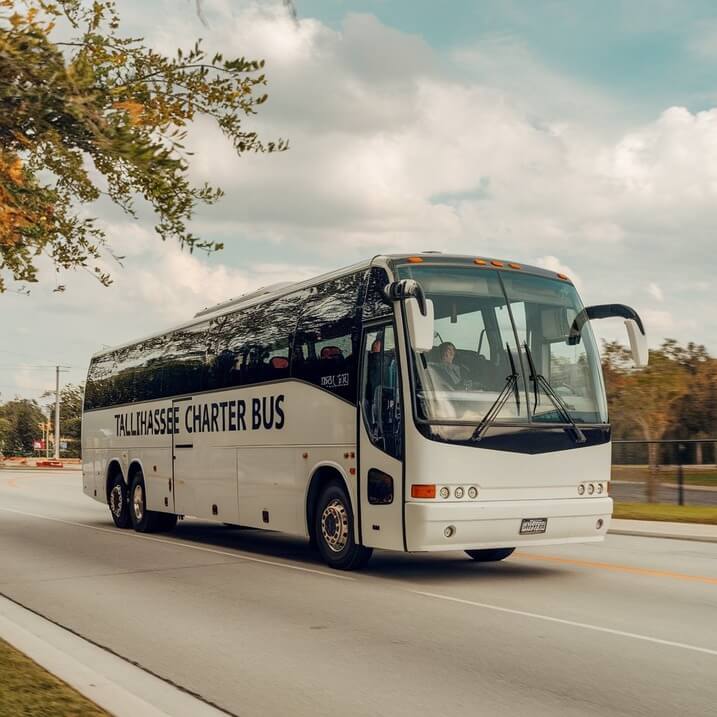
{"points": [[274, 291]]}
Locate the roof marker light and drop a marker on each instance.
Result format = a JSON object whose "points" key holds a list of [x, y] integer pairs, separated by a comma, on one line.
{"points": [[414, 260], [480, 262], [564, 277], [495, 262], [513, 265]]}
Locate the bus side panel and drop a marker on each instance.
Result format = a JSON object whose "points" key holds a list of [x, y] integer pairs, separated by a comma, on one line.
{"points": [[275, 467], [269, 490]]}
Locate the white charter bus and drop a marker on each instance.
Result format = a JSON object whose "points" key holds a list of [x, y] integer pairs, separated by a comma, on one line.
{"points": [[412, 403]]}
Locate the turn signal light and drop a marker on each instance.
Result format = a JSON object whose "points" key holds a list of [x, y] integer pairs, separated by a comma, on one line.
{"points": [[423, 490]]}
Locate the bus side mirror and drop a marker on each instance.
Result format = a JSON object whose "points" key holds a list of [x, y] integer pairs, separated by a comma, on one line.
{"points": [[418, 311], [420, 325], [633, 323], [638, 343]]}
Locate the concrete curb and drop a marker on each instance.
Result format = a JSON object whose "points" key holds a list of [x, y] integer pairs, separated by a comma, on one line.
{"points": [[111, 682], [699, 532]]}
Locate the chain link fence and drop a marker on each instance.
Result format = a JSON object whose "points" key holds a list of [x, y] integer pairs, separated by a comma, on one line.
{"points": [[685, 471]]}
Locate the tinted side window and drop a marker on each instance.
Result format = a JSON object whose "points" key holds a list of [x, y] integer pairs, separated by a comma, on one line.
{"points": [[256, 342], [325, 347], [375, 306], [133, 373], [185, 360]]}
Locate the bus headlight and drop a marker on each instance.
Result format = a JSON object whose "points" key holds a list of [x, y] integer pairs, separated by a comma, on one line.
{"points": [[581, 489], [473, 492], [444, 492], [599, 488], [458, 492], [449, 531], [591, 488]]}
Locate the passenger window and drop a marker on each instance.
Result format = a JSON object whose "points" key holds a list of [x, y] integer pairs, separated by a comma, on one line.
{"points": [[185, 360], [258, 341], [380, 392], [324, 352]]}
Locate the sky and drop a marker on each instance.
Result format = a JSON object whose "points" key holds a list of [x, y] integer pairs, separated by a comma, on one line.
{"points": [[580, 136]]}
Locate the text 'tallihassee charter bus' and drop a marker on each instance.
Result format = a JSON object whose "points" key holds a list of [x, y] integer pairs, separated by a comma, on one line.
{"points": [[412, 403]]}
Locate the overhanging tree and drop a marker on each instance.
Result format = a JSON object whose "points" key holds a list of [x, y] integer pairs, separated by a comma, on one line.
{"points": [[103, 115]]}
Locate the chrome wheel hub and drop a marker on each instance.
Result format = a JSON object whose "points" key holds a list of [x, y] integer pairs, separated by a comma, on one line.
{"points": [[116, 501], [335, 525], [138, 502]]}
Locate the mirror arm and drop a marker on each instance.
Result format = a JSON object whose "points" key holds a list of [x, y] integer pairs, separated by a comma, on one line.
{"points": [[602, 311], [404, 289]]}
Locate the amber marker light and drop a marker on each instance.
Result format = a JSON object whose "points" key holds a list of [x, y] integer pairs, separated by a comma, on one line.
{"points": [[414, 260], [497, 263], [423, 490], [564, 277], [513, 265], [480, 262]]}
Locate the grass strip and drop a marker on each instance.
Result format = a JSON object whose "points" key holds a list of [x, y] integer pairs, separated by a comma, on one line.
{"points": [[666, 512], [667, 474], [27, 690]]}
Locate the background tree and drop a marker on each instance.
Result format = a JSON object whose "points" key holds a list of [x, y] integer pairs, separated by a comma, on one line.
{"points": [[646, 400], [20, 422], [99, 114]]}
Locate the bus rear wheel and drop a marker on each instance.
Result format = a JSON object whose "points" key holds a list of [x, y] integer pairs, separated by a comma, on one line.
{"points": [[334, 530], [118, 503], [491, 555], [143, 520]]}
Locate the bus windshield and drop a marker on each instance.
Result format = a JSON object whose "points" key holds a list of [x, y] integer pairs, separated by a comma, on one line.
{"points": [[489, 326]]}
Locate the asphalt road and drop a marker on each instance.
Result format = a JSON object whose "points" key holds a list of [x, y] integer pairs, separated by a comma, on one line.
{"points": [[253, 622], [636, 493]]}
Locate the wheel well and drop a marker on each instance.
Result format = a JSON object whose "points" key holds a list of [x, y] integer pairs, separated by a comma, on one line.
{"points": [[134, 468], [321, 478], [112, 470]]}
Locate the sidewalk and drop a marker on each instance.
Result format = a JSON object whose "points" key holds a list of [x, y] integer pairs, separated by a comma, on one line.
{"points": [[661, 529]]}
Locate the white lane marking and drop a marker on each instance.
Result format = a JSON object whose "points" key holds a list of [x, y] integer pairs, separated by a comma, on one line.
{"points": [[181, 543], [571, 623]]}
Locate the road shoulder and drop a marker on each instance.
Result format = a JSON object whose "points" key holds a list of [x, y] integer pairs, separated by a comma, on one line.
{"points": [[660, 529], [118, 686]]}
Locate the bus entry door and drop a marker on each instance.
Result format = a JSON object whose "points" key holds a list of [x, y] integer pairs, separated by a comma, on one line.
{"points": [[381, 441], [184, 457]]}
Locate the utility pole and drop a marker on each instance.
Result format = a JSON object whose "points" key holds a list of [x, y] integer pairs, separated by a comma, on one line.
{"points": [[57, 413]]}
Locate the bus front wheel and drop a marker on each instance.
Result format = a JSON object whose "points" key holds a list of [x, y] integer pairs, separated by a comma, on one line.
{"points": [[490, 555], [334, 530], [143, 520]]}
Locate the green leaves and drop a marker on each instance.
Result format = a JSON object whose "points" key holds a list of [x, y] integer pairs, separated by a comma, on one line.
{"points": [[104, 105]]}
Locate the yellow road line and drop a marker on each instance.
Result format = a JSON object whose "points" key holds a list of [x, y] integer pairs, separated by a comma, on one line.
{"points": [[617, 568]]}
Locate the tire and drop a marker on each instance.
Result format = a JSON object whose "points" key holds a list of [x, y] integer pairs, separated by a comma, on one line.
{"points": [[118, 502], [143, 520], [491, 555], [334, 530]]}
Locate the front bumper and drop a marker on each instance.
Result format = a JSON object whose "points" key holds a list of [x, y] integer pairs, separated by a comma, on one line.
{"points": [[496, 524]]}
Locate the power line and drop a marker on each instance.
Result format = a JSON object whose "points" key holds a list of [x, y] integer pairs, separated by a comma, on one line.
{"points": [[28, 367]]}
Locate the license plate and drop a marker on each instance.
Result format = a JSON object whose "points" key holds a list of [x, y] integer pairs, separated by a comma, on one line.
{"points": [[531, 526]]}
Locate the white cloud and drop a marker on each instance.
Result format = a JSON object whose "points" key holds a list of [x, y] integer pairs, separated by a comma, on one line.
{"points": [[397, 147], [655, 291]]}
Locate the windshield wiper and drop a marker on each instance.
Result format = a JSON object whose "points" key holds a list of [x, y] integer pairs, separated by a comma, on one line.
{"points": [[539, 381], [511, 386]]}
